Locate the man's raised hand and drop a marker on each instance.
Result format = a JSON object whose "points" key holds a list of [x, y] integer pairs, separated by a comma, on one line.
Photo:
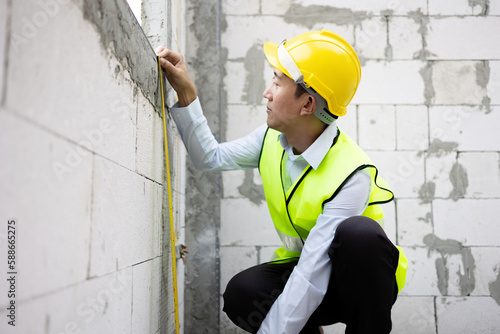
{"points": [[177, 75]]}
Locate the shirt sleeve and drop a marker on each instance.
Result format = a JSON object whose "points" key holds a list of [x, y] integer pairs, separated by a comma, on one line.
{"points": [[206, 152], [308, 282]]}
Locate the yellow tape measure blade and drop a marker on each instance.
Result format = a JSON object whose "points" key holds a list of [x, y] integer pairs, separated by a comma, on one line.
{"points": [[173, 237]]}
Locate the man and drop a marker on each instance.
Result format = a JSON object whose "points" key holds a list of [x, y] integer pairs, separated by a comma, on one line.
{"points": [[336, 263]]}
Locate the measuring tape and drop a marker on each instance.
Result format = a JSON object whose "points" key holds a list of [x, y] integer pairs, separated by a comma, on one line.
{"points": [[173, 238]]}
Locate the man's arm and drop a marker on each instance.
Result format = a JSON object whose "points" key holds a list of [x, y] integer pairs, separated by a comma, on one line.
{"points": [[308, 282], [204, 150]]}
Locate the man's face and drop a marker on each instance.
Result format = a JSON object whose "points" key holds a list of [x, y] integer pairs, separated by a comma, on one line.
{"points": [[283, 108]]}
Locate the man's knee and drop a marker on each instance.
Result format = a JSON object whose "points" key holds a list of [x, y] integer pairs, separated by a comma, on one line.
{"points": [[246, 302], [359, 228], [236, 289], [358, 235]]}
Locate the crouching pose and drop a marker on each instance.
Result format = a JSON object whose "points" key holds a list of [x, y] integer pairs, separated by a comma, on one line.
{"points": [[322, 190]]}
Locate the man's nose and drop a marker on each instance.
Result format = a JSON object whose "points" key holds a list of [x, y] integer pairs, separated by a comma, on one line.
{"points": [[267, 93]]}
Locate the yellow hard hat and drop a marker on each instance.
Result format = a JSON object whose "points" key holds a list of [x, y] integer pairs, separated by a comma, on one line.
{"points": [[321, 60]]}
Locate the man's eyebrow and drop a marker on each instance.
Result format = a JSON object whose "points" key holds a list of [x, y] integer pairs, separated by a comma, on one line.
{"points": [[277, 75]]}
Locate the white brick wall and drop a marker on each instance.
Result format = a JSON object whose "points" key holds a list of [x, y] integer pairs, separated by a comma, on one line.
{"points": [[404, 170], [396, 82], [494, 82], [146, 296], [414, 221], [487, 262], [414, 315], [243, 119], [149, 140], [82, 173], [234, 260], [412, 128], [446, 38], [494, 8], [422, 277], [233, 83], [372, 7], [377, 128], [3, 41], [438, 168], [404, 37], [467, 315], [103, 304], [50, 238], [390, 226], [449, 7], [244, 33], [467, 221], [235, 7], [277, 7], [466, 127], [455, 82], [371, 38], [484, 181], [123, 235], [349, 123], [245, 223], [103, 120], [426, 111]]}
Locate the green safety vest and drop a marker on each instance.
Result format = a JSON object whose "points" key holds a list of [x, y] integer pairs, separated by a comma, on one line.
{"points": [[295, 211]]}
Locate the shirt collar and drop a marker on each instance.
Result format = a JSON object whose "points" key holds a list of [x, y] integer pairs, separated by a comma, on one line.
{"points": [[317, 151]]}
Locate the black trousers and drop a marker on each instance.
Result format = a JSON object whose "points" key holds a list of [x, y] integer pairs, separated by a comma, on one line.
{"points": [[361, 291]]}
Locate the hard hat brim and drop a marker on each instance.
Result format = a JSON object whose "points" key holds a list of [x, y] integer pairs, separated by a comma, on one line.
{"points": [[271, 51]]}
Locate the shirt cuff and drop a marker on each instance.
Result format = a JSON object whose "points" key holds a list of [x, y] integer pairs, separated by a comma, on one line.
{"points": [[185, 115], [291, 311]]}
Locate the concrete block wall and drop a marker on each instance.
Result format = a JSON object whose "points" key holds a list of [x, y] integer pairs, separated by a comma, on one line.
{"points": [[82, 169], [426, 112]]}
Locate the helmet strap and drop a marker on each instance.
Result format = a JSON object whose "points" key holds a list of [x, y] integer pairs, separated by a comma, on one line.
{"points": [[289, 64], [321, 110]]}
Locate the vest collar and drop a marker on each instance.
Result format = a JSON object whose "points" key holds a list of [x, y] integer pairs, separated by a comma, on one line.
{"points": [[317, 151]]}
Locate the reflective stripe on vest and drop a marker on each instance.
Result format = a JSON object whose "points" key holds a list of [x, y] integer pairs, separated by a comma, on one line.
{"points": [[295, 211], [291, 244]]}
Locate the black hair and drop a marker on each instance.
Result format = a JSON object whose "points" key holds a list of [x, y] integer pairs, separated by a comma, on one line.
{"points": [[299, 91]]}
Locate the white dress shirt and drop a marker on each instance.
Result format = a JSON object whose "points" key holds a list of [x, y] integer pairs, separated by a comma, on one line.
{"points": [[308, 282]]}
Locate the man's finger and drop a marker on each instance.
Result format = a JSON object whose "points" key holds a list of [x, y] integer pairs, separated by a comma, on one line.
{"points": [[172, 56], [163, 52], [159, 49], [169, 68]]}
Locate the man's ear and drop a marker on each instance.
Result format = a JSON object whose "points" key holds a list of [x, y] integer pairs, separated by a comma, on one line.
{"points": [[309, 106]]}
